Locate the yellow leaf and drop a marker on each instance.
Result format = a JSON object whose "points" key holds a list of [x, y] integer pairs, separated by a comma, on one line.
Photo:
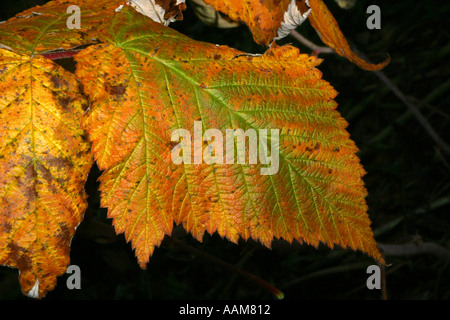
{"points": [[44, 163]]}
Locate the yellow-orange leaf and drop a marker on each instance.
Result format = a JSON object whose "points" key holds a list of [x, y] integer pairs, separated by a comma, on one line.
{"points": [[328, 29], [44, 162], [267, 19], [270, 20], [147, 80]]}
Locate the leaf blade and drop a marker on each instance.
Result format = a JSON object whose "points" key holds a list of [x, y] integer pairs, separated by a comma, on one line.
{"points": [[42, 176], [318, 193]]}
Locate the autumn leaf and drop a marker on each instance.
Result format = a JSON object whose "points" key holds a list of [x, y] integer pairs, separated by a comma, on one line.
{"points": [[328, 29], [271, 20], [162, 11], [44, 162], [266, 19], [44, 28], [146, 80]]}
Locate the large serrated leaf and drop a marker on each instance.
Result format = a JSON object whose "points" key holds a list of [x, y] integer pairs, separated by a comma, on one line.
{"points": [[147, 81]]}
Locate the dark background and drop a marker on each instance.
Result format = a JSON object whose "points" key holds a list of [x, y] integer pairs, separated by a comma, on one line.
{"points": [[407, 180]]}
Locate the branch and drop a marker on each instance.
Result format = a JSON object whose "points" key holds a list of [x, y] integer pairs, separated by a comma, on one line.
{"points": [[430, 98], [315, 48], [411, 106], [326, 272], [415, 249], [277, 293]]}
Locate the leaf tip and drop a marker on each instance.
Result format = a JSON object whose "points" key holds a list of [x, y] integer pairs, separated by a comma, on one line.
{"points": [[371, 66]]}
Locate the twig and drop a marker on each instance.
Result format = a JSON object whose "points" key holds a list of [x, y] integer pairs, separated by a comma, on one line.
{"points": [[431, 97], [386, 273], [430, 207], [415, 249], [383, 282], [415, 111], [315, 48], [326, 272], [277, 293], [411, 106]]}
